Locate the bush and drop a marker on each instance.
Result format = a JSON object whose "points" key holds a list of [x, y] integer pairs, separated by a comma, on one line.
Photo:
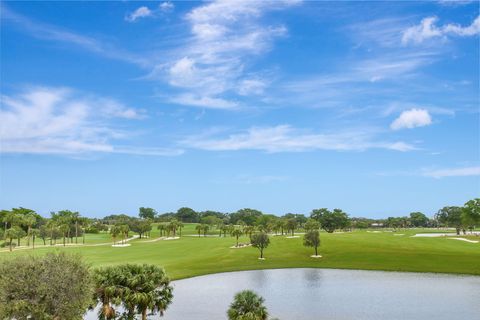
{"points": [[54, 286]]}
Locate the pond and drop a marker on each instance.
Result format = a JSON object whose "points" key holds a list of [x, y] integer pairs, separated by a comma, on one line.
{"points": [[301, 294]]}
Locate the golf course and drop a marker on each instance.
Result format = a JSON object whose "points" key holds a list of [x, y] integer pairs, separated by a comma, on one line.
{"points": [[192, 255]]}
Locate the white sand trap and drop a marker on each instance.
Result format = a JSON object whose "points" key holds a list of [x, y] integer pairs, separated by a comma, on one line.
{"points": [[261, 258], [121, 245], [399, 234], [291, 237], [315, 256], [434, 235], [171, 238], [241, 246], [374, 231], [466, 240]]}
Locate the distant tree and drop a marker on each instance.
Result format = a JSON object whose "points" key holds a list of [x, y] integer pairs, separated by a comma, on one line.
{"points": [[330, 220], [115, 231], [248, 216], [248, 230], [43, 233], [173, 226], [34, 233], [141, 227], [139, 288], [451, 217], [418, 219], [210, 220], [199, 228], [311, 224], [260, 241], [247, 305], [187, 215], [237, 233], [147, 213], [471, 212], [312, 239], [10, 234], [161, 227], [206, 227], [291, 225], [53, 286]]}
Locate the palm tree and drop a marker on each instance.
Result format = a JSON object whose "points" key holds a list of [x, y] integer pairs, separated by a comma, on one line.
{"points": [[64, 228], [139, 288], [29, 220], [237, 234], [34, 233], [180, 226], [173, 225], [206, 227], [161, 227], [10, 234], [247, 305], [199, 228], [115, 231], [75, 218]]}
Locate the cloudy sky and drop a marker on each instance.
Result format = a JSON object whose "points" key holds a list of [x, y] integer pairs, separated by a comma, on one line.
{"points": [[283, 106]]}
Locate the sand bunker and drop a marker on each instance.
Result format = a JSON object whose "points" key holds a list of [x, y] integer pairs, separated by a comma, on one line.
{"points": [[466, 240], [291, 237], [171, 238], [240, 246], [121, 245], [316, 256]]}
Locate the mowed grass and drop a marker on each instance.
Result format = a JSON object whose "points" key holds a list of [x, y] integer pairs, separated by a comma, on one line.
{"points": [[192, 256]]}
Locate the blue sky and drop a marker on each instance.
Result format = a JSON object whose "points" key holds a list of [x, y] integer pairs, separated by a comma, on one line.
{"points": [[283, 106]]}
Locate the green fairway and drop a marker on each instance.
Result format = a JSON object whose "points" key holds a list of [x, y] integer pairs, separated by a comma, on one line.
{"points": [[192, 255]]}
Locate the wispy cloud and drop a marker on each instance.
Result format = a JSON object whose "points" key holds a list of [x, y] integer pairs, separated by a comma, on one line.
{"points": [[50, 32], [144, 12], [141, 12], [284, 138], [412, 118], [225, 35], [45, 120], [453, 172], [427, 29]]}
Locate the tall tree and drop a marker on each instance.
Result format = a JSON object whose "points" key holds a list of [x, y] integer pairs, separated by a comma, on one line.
{"points": [[260, 241], [247, 305], [147, 213], [418, 219], [451, 217], [312, 239], [237, 233]]}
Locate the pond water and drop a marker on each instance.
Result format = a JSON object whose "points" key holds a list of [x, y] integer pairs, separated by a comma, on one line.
{"points": [[301, 294]]}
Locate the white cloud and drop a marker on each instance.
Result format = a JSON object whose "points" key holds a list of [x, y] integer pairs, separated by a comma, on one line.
{"points": [[411, 119], [284, 138], [45, 120], [166, 6], [453, 172], [141, 12], [427, 29], [225, 36], [203, 101]]}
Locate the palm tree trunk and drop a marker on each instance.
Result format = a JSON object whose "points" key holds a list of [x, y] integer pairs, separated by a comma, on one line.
{"points": [[28, 236], [316, 253], [76, 231], [33, 241], [11, 239], [64, 239], [261, 253], [144, 314]]}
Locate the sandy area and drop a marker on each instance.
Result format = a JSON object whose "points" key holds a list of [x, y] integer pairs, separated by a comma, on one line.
{"points": [[314, 256], [291, 237], [121, 245], [466, 240], [241, 246]]}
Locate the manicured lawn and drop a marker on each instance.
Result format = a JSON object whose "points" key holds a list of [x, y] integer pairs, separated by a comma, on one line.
{"points": [[191, 256]]}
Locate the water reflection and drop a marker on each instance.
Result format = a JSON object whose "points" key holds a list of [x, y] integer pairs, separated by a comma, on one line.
{"points": [[301, 294]]}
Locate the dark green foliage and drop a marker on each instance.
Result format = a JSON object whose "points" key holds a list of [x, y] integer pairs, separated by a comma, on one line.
{"points": [[312, 239], [260, 241], [247, 305], [54, 286], [138, 288]]}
